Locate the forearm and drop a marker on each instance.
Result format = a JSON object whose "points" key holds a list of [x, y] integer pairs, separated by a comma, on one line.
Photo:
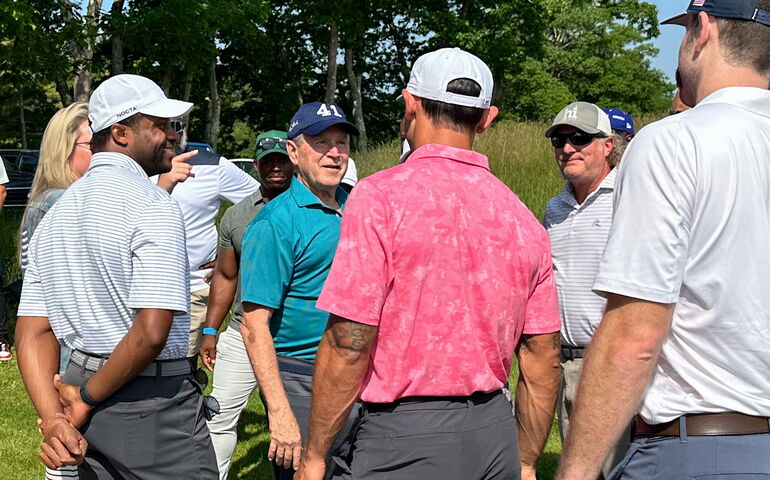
{"points": [[617, 369], [264, 361], [536, 393], [340, 367], [221, 296], [38, 358], [138, 348]]}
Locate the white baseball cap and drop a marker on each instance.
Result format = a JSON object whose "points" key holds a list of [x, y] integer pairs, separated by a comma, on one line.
{"points": [[124, 95], [432, 72]]}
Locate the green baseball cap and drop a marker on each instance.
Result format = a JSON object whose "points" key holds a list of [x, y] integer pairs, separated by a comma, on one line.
{"points": [[273, 141]]}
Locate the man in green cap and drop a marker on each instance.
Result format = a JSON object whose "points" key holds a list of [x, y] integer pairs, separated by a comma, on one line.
{"points": [[234, 378]]}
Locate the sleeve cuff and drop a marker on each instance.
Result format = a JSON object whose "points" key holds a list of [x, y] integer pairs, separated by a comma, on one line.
{"points": [[603, 286]]}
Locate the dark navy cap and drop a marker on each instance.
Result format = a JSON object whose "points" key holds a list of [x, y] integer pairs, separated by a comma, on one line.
{"points": [[733, 9], [315, 117], [620, 120]]}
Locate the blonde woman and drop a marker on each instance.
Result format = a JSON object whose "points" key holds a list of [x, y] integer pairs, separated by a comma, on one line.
{"points": [[65, 154]]}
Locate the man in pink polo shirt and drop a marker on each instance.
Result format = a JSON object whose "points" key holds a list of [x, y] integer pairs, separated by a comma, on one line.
{"points": [[440, 276]]}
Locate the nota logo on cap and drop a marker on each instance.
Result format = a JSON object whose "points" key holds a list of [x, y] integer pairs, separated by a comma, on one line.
{"points": [[127, 111]]}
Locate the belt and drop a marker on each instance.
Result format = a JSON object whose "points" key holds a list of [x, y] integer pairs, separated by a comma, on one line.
{"points": [[728, 423], [476, 398], [158, 368], [300, 366], [569, 352]]}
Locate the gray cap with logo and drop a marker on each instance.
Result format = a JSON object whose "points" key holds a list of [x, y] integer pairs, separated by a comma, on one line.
{"points": [[583, 116]]}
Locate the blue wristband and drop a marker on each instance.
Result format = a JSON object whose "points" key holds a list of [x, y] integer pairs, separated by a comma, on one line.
{"points": [[209, 331]]}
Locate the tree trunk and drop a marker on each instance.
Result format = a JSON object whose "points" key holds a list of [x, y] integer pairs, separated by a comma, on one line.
{"points": [[355, 90], [167, 82], [22, 121], [117, 37], [215, 107], [187, 87], [84, 56], [65, 94], [331, 61]]}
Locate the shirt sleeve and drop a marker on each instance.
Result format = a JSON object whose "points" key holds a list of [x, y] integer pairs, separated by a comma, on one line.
{"points": [[234, 183], [648, 242], [3, 173], [226, 230], [160, 274], [359, 278], [32, 303], [267, 262], [542, 306]]}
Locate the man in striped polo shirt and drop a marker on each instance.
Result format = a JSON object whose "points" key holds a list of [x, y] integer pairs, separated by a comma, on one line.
{"points": [[108, 277], [578, 223]]}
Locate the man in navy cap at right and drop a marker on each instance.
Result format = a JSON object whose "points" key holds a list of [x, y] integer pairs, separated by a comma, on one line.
{"points": [[683, 344], [287, 253], [623, 132]]}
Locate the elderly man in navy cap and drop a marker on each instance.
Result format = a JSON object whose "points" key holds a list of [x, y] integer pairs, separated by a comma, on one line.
{"points": [[683, 342], [287, 252]]}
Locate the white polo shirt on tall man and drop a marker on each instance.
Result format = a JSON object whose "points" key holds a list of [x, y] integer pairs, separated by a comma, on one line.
{"points": [[112, 244], [692, 228], [578, 233]]}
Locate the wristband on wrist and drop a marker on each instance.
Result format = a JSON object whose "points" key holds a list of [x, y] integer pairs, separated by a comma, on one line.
{"points": [[209, 331], [86, 397]]}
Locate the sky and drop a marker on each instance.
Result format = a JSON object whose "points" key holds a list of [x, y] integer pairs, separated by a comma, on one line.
{"points": [[670, 36], [667, 42]]}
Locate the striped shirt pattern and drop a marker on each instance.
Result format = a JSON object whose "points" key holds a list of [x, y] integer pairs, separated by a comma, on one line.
{"points": [[578, 235], [112, 244]]}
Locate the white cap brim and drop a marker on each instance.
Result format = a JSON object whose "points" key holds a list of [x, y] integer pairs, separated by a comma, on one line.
{"points": [[167, 108]]}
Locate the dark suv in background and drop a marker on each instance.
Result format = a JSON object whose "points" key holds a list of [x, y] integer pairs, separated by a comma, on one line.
{"points": [[20, 165]]}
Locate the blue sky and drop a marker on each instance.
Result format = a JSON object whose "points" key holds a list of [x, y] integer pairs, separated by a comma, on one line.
{"points": [[670, 36], [667, 42]]}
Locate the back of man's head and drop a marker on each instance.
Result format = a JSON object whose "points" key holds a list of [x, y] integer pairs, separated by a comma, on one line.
{"points": [[454, 86]]}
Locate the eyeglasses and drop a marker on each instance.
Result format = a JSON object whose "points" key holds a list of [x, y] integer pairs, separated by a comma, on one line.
{"points": [[86, 145], [268, 143], [577, 138], [177, 126]]}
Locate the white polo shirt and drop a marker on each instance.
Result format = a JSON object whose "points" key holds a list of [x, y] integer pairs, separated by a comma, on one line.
{"points": [[111, 245], [692, 228], [199, 197], [578, 234]]}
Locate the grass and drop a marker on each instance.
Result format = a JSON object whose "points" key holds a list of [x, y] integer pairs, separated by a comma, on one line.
{"points": [[518, 154]]}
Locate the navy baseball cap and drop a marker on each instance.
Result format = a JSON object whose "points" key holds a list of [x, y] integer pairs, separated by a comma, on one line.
{"points": [[733, 9], [315, 117], [620, 120]]}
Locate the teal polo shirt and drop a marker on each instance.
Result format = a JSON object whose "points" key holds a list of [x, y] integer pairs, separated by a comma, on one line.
{"points": [[287, 252]]}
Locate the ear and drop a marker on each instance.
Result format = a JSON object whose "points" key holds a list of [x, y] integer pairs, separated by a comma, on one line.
{"points": [[609, 144], [707, 31], [486, 120], [410, 105], [121, 134], [293, 150]]}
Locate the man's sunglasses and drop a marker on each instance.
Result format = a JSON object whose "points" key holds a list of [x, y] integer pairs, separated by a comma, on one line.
{"points": [[178, 126], [578, 138], [268, 143]]}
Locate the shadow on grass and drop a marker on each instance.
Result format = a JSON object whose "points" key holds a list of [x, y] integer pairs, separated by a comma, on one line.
{"points": [[251, 463], [546, 465]]}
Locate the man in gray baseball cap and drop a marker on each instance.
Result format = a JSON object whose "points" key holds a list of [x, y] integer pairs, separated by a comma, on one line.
{"points": [[578, 221]]}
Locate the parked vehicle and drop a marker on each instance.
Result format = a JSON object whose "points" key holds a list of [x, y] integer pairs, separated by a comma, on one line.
{"points": [[202, 147], [20, 165], [245, 164]]}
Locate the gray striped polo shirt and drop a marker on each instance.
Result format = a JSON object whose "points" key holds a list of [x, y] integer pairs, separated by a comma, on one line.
{"points": [[114, 243], [578, 235]]}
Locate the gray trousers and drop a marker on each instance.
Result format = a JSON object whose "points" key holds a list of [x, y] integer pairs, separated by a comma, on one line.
{"points": [[151, 429], [442, 439], [298, 384], [570, 376], [725, 457]]}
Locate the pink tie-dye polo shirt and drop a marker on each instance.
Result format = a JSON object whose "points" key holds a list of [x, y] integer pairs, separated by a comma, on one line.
{"points": [[450, 266]]}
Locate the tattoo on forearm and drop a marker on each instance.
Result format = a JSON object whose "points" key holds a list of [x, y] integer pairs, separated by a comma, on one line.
{"points": [[352, 336]]}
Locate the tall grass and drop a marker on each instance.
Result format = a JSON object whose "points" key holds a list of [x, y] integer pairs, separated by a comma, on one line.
{"points": [[519, 155]]}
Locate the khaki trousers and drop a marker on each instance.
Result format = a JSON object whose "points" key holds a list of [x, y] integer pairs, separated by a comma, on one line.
{"points": [[199, 300]]}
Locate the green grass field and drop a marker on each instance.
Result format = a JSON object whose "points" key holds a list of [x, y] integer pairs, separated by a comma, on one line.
{"points": [[519, 155]]}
